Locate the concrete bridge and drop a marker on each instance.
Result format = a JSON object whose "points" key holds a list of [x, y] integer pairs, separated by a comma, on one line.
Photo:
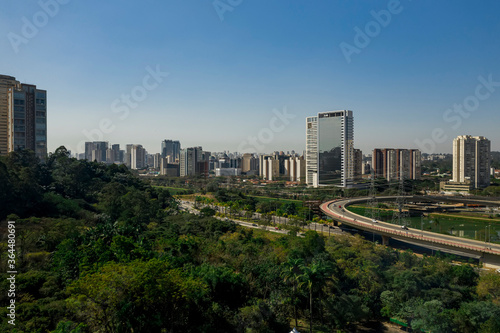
{"points": [[487, 253]]}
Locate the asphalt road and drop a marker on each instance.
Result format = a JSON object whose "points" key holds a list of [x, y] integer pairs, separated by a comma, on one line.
{"points": [[337, 208], [325, 229]]}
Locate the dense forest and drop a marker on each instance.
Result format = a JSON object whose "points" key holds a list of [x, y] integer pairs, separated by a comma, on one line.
{"points": [[98, 250]]}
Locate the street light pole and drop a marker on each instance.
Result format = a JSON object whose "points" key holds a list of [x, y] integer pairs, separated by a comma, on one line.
{"points": [[422, 225], [489, 234]]}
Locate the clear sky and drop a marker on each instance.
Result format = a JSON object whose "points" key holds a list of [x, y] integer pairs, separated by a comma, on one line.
{"points": [[233, 65]]}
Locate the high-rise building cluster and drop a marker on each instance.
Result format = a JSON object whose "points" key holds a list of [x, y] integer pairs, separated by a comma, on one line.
{"points": [[279, 165], [331, 158], [396, 164], [23, 117], [133, 156]]}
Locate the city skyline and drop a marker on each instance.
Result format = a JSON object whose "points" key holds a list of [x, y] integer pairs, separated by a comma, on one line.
{"points": [[422, 70]]}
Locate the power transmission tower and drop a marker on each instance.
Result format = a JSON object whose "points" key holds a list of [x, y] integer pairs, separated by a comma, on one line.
{"points": [[372, 206], [400, 216]]}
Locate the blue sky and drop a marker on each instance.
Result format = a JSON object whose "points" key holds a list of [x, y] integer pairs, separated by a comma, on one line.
{"points": [[228, 78]]}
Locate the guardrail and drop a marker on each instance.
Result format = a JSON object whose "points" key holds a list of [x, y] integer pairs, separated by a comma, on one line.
{"points": [[406, 234]]}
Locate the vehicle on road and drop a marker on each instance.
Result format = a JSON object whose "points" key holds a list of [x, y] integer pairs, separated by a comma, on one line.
{"points": [[404, 227], [332, 227], [374, 221], [254, 225]]}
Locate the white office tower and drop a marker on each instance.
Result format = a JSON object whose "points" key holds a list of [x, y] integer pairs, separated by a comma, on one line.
{"points": [[330, 149], [471, 160]]}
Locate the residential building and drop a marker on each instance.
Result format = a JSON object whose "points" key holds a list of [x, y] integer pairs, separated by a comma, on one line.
{"points": [[97, 151], [137, 157], [297, 169], [358, 164], [394, 164], [269, 167], [249, 164], [7, 84], [471, 160], [194, 161], [23, 117]]}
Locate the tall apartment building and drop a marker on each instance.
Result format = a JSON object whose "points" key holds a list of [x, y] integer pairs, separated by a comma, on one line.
{"points": [[393, 164], [23, 117], [269, 167], [194, 161], [296, 169], [330, 148], [128, 155], [471, 160], [137, 157], [171, 149], [97, 151], [358, 163], [7, 84], [115, 155], [249, 164]]}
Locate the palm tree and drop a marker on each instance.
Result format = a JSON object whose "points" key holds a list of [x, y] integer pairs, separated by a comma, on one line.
{"points": [[292, 275], [314, 275]]}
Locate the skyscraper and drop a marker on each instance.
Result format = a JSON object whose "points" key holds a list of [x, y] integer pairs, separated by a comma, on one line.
{"points": [[7, 83], [137, 157], [194, 161], [471, 160], [329, 149], [171, 149], [23, 117], [97, 151]]}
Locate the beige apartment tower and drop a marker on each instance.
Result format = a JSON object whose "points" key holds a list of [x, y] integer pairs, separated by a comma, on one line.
{"points": [[23, 117], [471, 160]]}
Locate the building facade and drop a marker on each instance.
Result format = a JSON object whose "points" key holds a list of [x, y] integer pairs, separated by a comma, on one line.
{"points": [[23, 117], [249, 164], [472, 160], [171, 149], [137, 157], [330, 149], [394, 164], [194, 161]]}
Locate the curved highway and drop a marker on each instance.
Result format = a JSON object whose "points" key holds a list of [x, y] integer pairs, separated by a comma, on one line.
{"points": [[336, 209]]}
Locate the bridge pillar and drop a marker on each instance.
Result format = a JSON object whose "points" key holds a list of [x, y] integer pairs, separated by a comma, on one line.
{"points": [[385, 240]]}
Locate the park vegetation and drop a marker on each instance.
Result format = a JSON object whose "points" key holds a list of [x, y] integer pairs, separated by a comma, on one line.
{"points": [[98, 250]]}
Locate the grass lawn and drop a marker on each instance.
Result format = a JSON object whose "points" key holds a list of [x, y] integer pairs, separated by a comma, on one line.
{"points": [[173, 190]]}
